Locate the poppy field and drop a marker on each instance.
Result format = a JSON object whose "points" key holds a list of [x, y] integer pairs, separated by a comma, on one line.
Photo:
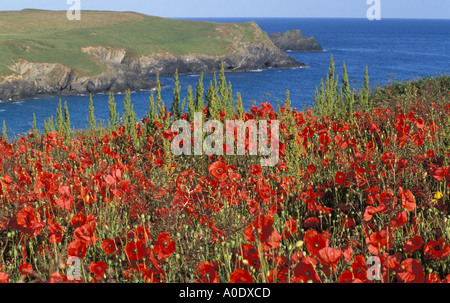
{"points": [[360, 194]]}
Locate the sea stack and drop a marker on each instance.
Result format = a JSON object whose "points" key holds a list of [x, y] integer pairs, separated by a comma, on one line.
{"points": [[295, 41]]}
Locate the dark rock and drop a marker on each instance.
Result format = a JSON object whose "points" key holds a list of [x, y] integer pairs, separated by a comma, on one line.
{"points": [[295, 41]]}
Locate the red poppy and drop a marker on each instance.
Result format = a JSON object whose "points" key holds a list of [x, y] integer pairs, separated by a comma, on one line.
{"points": [[55, 231], [329, 257], [308, 132], [348, 253], [65, 199], [164, 246], [348, 222], [45, 186], [315, 241], [218, 170], [109, 246], [379, 240], [264, 223], [311, 222], [369, 212], [413, 244], [432, 278], [439, 173], [412, 272], [340, 178], [418, 139], [324, 138], [305, 271], [234, 176], [433, 127], [386, 201], [408, 200], [400, 219], [255, 170], [25, 268], [250, 255], [142, 233], [135, 250], [7, 179], [254, 261], [98, 268], [265, 193], [153, 275], [290, 227], [346, 277], [277, 276], [85, 234], [150, 275], [57, 277], [326, 162], [437, 249], [87, 195], [253, 205], [4, 277], [208, 272], [359, 267], [167, 134], [388, 158], [390, 266], [262, 226], [110, 180], [311, 169], [78, 220], [240, 276], [27, 217], [72, 156], [76, 248]]}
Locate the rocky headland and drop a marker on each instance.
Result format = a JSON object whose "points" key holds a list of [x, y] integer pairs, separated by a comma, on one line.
{"points": [[123, 69]]}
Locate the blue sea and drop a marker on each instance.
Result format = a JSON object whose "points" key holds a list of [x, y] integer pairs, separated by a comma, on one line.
{"points": [[392, 49]]}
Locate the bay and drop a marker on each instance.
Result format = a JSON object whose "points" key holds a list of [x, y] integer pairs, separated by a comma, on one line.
{"points": [[393, 50]]}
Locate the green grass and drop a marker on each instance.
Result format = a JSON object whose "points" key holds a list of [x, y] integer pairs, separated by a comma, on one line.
{"points": [[48, 36]]}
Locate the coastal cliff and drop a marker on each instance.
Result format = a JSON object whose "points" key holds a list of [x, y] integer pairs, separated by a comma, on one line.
{"points": [[124, 72], [241, 47]]}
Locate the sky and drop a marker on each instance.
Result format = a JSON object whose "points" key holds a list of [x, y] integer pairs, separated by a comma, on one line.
{"points": [[424, 9]]}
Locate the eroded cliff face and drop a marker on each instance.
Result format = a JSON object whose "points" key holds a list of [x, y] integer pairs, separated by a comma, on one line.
{"points": [[125, 70], [32, 79]]}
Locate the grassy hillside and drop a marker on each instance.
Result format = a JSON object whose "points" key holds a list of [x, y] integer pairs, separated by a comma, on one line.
{"points": [[48, 36]]}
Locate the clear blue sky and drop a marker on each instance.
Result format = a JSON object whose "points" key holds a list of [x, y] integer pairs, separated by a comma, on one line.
{"points": [[251, 8]]}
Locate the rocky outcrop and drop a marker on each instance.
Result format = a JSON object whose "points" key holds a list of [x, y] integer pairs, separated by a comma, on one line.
{"points": [[295, 41], [255, 57], [32, 79], [123, 69]]}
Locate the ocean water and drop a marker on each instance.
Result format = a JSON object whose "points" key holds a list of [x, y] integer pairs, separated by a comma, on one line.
{"points": [[392, 49]]}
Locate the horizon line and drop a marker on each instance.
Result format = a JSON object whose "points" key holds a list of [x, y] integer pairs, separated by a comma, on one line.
{"points": [[229, 17], [300, 17]]}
